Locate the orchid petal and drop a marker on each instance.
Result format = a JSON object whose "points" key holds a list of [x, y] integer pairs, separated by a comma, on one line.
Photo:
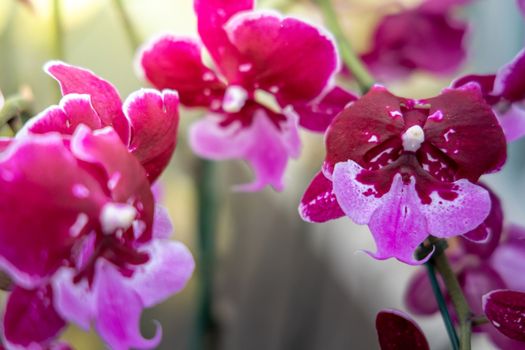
{"points": [[485, 238], [30, 319], [265, 147], [477, 281], [104, 96], [162, 226], [319, 203], [419, 296], [272, 55], [397, 331], [317, 115], [505, 309], [513, 122], [118, 309], [395, 219], [154, 119], [446, 218], [74, 109], [168, 270], [468, 133], [175, 63], [73, 301], [509, 82], [211, 17], [60, 191], [509, 258]]}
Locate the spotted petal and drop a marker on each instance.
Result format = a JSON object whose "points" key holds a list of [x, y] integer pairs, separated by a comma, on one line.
{"points": [[319, 203], [505, 309], [398, 220]]}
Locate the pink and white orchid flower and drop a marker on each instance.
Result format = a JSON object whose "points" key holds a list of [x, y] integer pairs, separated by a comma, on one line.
{"points": [[271, 74]]}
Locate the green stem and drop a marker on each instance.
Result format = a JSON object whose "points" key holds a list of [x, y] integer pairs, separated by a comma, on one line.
{"points": [[207, 217], [353, 62], [451, 331], [14, 109], [440, 261], [131, 34], [58, 31]]}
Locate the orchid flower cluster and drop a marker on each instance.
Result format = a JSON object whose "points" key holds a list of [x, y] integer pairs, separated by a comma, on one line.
{"points": [[84, 241]]}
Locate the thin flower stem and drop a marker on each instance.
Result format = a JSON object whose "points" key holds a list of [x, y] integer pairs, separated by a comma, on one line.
{"points": [[207, 216], [451, 331], [131, 33], [440, 261], [58, 31], [351, 60]]}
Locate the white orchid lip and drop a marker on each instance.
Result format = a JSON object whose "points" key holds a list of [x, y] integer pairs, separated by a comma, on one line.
{"points": [[234, 99], [114, 216], [412, 138]]}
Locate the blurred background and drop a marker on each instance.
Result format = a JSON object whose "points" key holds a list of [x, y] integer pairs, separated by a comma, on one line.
{"points": [[279, 283]]}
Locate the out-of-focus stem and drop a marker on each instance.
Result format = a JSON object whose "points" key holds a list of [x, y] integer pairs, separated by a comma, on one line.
{"points": [[351, 60], [204, 331], [440, 261], [131, 34]]}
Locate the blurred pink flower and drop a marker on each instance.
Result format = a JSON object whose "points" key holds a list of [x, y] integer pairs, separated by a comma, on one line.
{"points": [[408, 168], [426, 38], [505, 92], [289, 61]]}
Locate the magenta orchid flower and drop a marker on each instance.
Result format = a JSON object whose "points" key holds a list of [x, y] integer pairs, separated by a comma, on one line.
{"points": [[481, 268], [408, 168], [261, 88], [81, 236], [426, 38], [505, 92]]}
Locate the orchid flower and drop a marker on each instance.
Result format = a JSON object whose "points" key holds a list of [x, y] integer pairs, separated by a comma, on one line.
{"points": [[81, 235], [426, 38], [505, 92], [270, 74], [408, 168]]}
